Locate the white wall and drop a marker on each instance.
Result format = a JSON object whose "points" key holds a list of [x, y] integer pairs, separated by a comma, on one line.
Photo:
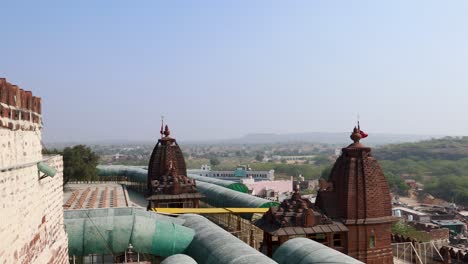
{"points": [[31, 214]]}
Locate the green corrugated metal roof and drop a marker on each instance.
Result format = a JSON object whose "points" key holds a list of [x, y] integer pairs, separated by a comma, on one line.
{"points": [[111, 230], [179, 259], [134, 172], [306, 251], [236, 186], [218, 196], [214, 245]]}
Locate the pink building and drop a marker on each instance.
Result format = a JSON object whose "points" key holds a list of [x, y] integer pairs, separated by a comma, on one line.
{"points": [[269, 189]]}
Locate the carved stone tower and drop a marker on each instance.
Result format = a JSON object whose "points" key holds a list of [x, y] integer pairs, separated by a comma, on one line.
{"points": [[360, 198], [168, 184]]}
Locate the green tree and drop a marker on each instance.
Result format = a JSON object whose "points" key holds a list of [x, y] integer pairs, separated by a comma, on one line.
{"points": [[321, 160], [51, 151], [214, 162], [79, 163], [397, 184], [259, 157], [400, 228]]}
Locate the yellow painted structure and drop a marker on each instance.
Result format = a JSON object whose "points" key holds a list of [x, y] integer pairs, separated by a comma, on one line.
{"points": [[210, 210]]}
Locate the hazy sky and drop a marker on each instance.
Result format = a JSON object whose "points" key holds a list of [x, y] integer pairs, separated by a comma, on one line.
{"points": [[222, 69]]}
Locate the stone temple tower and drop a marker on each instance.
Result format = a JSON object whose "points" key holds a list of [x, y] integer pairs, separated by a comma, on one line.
{"points": [[168, 184], [357, 194]]}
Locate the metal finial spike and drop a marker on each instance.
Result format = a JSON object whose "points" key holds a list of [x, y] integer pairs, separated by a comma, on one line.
{"points": [[162, 127], [358, 121]]}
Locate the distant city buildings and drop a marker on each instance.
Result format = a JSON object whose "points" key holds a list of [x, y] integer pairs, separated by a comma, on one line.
{"points": [[293, 158], [118, 156], [306, 184], [241, 172]]}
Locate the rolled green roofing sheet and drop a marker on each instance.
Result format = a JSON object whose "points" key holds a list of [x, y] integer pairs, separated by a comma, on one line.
{"points": [[306, 251], [214, 245], [222, 197], [136, 173], [236, 186], [179, 259], [111, 230]]}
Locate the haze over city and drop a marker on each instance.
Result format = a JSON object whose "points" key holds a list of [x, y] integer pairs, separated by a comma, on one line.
{"points": [[223, 69]]}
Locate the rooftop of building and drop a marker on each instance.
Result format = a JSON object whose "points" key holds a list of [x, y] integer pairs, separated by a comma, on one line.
{"points": [[297, 216], [448, 222], [96, 195], [411, 211]]}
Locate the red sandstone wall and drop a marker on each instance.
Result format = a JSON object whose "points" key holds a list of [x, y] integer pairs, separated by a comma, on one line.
{"points": [[359, 244], [19, 109], [361, 196]]}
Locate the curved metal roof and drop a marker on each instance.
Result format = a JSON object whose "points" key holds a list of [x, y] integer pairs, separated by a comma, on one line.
{"points": [[219, 196], [133, 172], [236, 186], [111, 230], [306, 251], [179, 259], [214, 245]]}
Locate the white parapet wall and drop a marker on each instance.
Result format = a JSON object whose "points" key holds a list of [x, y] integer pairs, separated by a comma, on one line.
{"points": [[31, 213]]}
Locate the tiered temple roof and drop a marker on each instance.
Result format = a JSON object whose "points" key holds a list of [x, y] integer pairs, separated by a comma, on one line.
{"points": [[167, 173], [297, 216]]}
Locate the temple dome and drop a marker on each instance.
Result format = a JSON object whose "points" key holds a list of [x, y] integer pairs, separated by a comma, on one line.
{"points": [[167, 173]]}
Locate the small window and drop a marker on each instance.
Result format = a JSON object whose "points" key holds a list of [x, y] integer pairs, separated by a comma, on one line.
{"points": [[337, 240], [372, 241], [321, 238]]}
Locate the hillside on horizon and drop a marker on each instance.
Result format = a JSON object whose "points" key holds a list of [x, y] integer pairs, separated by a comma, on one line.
{"points": [[338, 138], [441, 165], [446, 148], [341, 138]]}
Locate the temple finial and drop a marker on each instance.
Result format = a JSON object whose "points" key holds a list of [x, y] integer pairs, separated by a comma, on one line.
{"points": [[356, 135], [167, 132]]}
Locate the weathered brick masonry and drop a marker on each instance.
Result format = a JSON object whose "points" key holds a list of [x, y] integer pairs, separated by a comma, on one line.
{"points": [[31, 224]]}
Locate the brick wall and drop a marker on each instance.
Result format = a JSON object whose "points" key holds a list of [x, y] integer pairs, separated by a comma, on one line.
{"points": [[19, 109], [31, 213]]}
